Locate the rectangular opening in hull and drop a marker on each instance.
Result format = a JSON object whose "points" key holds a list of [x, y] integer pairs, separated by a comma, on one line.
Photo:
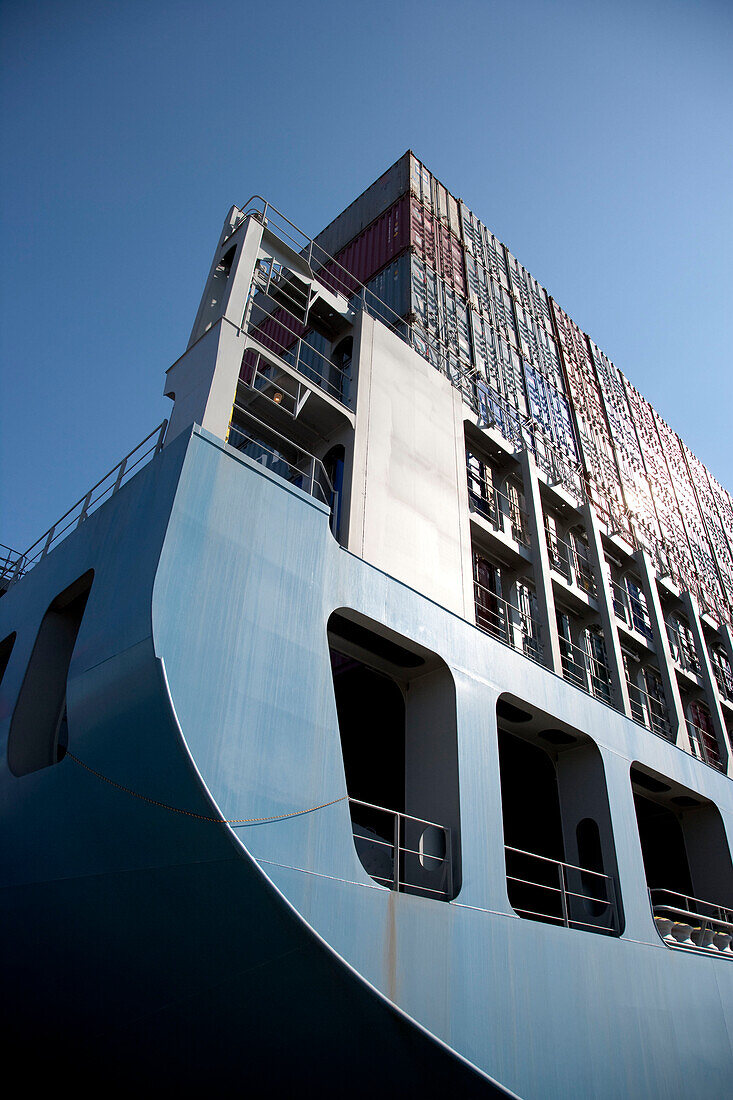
{"points": [[396, 712]]}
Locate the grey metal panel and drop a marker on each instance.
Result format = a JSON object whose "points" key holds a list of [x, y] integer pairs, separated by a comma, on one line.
{"points": [[454, 965], [247, 578]]}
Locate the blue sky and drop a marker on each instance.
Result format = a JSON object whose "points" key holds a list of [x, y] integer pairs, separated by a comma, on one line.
{"points": [[595, 139]]}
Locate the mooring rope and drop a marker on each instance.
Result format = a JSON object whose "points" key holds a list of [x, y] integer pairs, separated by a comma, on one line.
{"points": [[202, 817]]}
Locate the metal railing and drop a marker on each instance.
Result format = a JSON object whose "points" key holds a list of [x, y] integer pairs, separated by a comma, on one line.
{"points": [[704, 745], [401, 851], [507, 623], [280, 455], [333, 275], [682, 647], [649, 711], [11, 565], [631, 610], [75, 516], [289, 346], [502, 513], [724, 679], [585, 671], [684, 921], [547, 889], [569, 563]]}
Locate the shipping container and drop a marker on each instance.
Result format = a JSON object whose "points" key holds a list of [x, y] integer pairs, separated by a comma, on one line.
{"points": [[393, 287], [551, 411], [384, 193], [435, 244], [434, 197], [376, 246], [485, 248]]}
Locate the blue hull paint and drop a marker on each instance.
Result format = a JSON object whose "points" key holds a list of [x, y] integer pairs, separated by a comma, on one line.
{"points": [[167, 945]]}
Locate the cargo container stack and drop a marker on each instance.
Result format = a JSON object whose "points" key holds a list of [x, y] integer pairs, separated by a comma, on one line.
{"points": [[434, 272], [717, 509], [703, 577], [602, 480], [632, 472]]}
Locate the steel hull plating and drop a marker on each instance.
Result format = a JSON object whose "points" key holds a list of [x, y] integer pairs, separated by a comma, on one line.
{"points": [[145, 933]]}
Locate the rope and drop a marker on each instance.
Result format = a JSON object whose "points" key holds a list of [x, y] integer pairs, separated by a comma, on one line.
{"points": [[202, 817]]}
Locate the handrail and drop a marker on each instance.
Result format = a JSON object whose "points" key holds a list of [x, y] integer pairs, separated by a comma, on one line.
{"points": [[408, 875], [313, 479], [689, 926], [606, 921], [295, 354], [505, 622], [326, 269], [40, 548], [724, 679], [596, 676], [498, 508], [12, 564], [648, 711], [630, 609], [572, 565], [704, 745], [682, 649]]}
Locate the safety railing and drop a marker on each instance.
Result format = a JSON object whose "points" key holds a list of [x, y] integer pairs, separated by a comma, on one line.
{"points": [[631, 610], [275, 337], [507, 623], [567, 560], [280, 455], [682, 647], [723, 678], [547, 889], [403, 852], [106, 487], [585, 671], [649, 711], [704, 745], [684, 921], [12, 565], [333, 275], [501, 512]]}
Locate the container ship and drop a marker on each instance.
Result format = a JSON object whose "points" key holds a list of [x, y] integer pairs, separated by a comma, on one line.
{"points": [[368, 727]]}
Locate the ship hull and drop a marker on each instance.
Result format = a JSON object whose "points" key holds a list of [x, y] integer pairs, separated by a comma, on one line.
{"points": [[182, 894]]}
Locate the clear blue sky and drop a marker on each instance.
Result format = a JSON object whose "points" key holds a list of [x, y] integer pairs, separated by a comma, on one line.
{"points": [[595, 139]]}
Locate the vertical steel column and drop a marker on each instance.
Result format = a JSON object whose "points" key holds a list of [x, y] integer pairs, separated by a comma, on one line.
{"points": [[707, 675], [396, 868], [541, 564], [604, 598], [664, 654]]}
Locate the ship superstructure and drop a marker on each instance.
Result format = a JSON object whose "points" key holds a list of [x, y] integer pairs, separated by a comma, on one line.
{"points": [[410, 639]]}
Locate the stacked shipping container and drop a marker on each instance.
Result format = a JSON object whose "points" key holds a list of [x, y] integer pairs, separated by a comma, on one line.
{"points": [[526, 369]]}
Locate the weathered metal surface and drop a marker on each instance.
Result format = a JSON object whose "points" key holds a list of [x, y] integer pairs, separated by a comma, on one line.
{"points": [[239, 612]]}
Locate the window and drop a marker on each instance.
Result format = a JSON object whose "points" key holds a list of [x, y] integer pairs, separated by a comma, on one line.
{"points": [[397, 720], [39, 726], [559, 850], [687, 862]]}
